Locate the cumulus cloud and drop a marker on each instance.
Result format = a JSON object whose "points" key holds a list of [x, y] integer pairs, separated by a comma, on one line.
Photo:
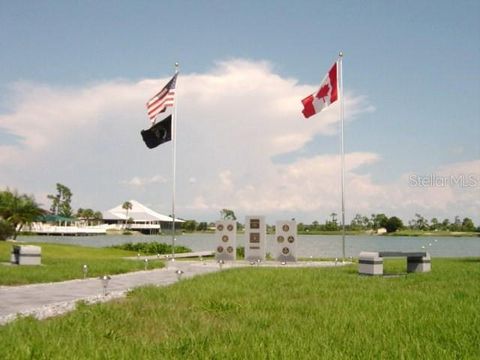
{"points": [[141, 182], [447, 191], [232, 122]]}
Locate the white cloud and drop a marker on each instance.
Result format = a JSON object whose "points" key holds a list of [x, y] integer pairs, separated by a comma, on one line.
{"points": [[450, 190], [457, 150], [141, 182], [232, 121]]}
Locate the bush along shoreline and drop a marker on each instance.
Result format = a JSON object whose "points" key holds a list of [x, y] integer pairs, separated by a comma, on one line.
{"points": [[152, 248]]}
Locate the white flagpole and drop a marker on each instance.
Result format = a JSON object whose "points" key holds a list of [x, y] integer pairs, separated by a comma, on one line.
{"points": [[340, 57], [174, 160]]}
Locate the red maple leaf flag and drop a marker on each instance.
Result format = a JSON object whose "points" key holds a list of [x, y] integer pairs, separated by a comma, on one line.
{"points": [[326, 95]]}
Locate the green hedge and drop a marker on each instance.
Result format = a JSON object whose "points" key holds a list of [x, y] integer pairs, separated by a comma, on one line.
{"points": [[152, 248]]}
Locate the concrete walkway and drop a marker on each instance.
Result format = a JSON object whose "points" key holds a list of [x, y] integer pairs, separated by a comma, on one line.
{"points": [[197, 254], [51, 299]]}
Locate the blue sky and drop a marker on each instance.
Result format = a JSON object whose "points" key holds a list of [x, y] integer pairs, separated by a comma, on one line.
{"points": [[413, 64]]}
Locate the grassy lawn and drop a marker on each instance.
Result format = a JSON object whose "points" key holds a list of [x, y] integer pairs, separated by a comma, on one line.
{"points": [[261, 313], [65, 262]]}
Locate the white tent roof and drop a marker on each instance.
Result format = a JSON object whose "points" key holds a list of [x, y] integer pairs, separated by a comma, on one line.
{"points": [[138, 212]]}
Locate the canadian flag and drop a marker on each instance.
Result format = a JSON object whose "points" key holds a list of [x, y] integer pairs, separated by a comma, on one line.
{"points": [[326, 95]]}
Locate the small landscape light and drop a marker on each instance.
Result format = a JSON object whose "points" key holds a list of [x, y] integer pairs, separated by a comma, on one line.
{"points": [[146, 263], [179, 274], [85, 271], [158, 256], [138, 255], [336, 261], [220, 263], [258, 262], [105, 279]]}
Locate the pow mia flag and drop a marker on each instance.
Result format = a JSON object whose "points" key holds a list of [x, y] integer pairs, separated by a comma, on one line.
{"points": [[159, 133]]}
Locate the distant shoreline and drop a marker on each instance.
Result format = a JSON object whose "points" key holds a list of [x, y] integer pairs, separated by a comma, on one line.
{"points": [[412, 233], [407, 233]]}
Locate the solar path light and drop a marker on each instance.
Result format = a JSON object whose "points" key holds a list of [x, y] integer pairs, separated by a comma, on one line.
{"points": [[179, 274], [85, 271], [146, 263], [220, 263], [105, 280]]}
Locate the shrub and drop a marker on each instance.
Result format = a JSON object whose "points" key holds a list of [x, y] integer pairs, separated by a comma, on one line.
{"points": [[6, 230], [152, 248], [393, 224], [240, 252]]}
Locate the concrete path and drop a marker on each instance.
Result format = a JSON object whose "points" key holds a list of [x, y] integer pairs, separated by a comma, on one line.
{"points": [[51, 299], [197, 254]]}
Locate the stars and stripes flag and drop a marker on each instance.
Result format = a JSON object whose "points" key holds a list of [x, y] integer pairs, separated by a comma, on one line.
{"points": [[163, 99], [326, 95]]}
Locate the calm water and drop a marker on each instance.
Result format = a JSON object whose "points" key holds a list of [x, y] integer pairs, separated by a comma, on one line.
{"points": [[308, 245]]}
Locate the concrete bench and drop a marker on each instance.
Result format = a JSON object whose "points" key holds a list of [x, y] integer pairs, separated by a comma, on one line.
{"points": [[371, 263], [26, 255]]}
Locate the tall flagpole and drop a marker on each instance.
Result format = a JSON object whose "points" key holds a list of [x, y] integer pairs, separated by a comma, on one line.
{"points": [[340, 57], [174, 162]]}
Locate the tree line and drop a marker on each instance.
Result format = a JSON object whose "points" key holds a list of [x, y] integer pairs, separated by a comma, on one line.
{"points": [[358, 223], [18, 210], [419, 222]]}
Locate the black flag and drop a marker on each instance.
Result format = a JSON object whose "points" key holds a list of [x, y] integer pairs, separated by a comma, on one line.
{"points": [[159, 133]]}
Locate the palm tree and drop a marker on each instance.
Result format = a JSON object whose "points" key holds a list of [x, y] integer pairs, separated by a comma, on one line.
{"points": [[97, 216], [18, 210], [127, 205], [334, 215]]}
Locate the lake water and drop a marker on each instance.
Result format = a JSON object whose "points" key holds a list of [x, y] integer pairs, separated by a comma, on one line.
{"points": [[308, 245]]}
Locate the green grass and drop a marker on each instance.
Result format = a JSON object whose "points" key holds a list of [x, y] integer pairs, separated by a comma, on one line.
{"points": [[65, 262], [261, 313]]}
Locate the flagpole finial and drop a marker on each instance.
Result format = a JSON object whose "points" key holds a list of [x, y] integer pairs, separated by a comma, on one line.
{"points": [[340, 54], [176, 67]]}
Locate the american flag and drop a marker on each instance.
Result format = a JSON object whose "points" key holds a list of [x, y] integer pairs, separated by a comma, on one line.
{"points": [[163, 99]]}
